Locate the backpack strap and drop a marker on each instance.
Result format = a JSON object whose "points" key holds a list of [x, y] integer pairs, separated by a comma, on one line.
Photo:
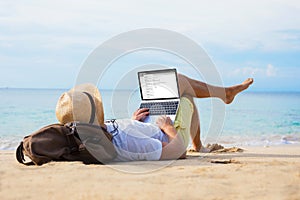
{"points": [[74, 147], [20, 155]]}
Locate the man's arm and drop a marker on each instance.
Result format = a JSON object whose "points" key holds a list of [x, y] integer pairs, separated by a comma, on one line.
{"points": [[175, 148]]}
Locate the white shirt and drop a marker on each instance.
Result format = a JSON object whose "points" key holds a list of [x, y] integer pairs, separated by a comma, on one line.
{"points": [[137, 140]]}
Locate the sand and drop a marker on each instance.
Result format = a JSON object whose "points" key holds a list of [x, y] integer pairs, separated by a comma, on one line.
{"points": [[257, 173]]}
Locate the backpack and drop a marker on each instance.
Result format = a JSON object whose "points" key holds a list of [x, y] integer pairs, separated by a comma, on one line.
{"points": [[84, 142]]}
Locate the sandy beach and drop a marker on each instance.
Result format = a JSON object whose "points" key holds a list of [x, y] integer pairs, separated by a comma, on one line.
{"points": [[257, 173]]}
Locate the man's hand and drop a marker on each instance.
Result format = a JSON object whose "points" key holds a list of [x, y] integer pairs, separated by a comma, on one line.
{"points": [[140, 114], [163, 122], [166, 125]]}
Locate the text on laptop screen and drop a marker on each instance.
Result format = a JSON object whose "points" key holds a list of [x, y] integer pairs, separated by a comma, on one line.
{"points": [[158, 84]]}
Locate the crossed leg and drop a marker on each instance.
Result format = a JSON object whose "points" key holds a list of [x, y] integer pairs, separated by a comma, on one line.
{"points": [[191, 88]]}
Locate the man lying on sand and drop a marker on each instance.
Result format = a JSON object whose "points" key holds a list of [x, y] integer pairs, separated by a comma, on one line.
{"points": [[135, 140]]}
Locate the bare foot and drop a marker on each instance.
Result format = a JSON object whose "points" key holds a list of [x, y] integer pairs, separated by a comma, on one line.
{"points": [[195, 148], [201, 150], [232, 91]]}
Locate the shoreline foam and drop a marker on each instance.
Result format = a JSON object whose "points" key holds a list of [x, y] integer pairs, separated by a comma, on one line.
{"points": [[11, 143]]}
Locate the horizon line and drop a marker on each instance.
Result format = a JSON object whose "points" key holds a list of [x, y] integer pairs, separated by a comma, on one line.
{"points": [[248, 91]]}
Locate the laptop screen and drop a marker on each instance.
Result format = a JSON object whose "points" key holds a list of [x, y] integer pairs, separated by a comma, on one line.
{"points": [[158, 84]]}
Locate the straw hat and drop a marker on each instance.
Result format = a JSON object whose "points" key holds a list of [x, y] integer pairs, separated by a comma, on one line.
{"points": [[82, 103]]}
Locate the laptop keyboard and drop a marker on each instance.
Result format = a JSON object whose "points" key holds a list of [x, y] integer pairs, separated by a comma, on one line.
{"points": [[161, 108]]}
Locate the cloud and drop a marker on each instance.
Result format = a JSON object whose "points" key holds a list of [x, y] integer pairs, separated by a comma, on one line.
{"points": [[60, 34], [238, 25], [269, 71]]}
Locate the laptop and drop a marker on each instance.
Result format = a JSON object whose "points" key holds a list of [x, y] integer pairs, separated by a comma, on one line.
{"points": [[159, 93]]}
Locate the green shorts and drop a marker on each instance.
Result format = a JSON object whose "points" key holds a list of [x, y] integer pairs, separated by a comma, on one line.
{"points": [[183, 119]]}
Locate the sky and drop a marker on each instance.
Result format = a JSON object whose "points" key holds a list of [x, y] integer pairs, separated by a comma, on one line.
{"points": [[43, 44]]}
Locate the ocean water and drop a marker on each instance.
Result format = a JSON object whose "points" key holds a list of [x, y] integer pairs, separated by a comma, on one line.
{"points": [[254, 118]]}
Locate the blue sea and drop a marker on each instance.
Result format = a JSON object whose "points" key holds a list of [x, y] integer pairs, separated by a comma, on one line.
{"points": [[254, 118]]}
